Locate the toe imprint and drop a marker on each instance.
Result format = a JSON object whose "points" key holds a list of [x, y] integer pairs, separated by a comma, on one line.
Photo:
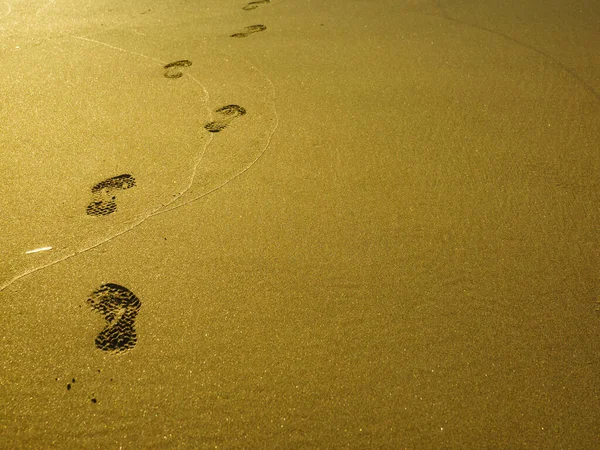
{"points": [[120, 182], [255, 4], [173, 70], [227, 114], [119, 306], [249, 30]]}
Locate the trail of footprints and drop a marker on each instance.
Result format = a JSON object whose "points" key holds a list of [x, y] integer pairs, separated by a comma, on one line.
{"points": [[117, 304]]}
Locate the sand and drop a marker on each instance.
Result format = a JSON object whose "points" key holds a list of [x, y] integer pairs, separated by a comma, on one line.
{"points": [[391, 241]]}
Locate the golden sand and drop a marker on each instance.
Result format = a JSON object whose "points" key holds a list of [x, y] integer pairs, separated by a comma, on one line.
{"points": [[299, 224]]}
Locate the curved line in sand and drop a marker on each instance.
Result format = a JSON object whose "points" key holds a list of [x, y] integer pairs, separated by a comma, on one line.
{"points": [[162, 208], [43, 8], [8, 9], [540, 52]]}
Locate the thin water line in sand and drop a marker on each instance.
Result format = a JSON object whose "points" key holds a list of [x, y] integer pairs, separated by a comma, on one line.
{"points": [[114, 47], [160, 209], [8, 9], [43, 8], [245, 169], [552, 59], [201, 155], [144, 218]]}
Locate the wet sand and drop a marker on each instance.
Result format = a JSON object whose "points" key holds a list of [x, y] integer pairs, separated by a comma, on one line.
{"points": [[387, 239]]}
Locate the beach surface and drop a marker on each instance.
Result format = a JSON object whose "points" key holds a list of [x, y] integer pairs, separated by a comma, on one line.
{"points": [[299, 224]]}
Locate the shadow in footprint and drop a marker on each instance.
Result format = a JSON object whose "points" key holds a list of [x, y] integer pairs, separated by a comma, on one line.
{"points": [[226, 114], [249, 30], [103, 202], [173, 70], [255, 4], [119, 306]]}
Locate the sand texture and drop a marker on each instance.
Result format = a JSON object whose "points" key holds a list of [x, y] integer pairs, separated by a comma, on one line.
{"points": [[299, 224]]}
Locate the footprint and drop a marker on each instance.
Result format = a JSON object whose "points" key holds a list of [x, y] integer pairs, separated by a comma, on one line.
{"points": [[119, 306], [101, 208], [255, 4], [173, 70], [103, 202], [124, 181], [227, 113], [249, 30]]}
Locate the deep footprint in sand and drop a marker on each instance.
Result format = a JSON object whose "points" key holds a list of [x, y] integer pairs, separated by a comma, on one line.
{"points": [[249, 30], [173, 70], [255, 4], [103, 202], [119, 306], [226, 115]]}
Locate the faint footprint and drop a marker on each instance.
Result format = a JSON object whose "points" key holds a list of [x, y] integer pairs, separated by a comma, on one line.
{"points": [[255, 4], [173, 70], [227, 113], [249, 30], [103, 202], [119, 306]]}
